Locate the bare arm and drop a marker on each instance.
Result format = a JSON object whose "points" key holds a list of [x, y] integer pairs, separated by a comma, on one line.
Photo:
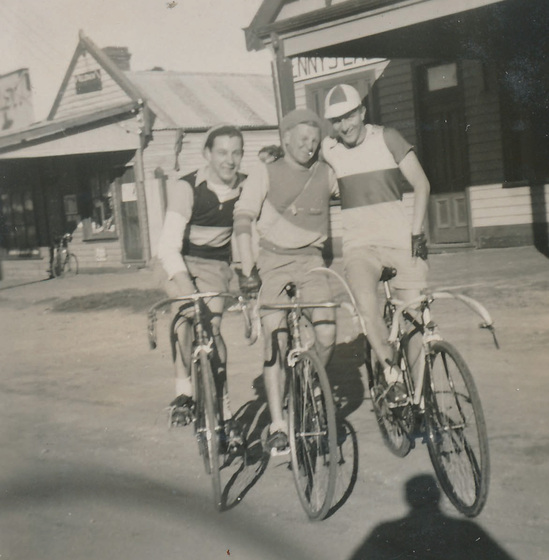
{"points": [[414, 174], [247, 209]]}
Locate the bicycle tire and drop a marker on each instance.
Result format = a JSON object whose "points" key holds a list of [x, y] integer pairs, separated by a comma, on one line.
{"points": [[57, 266], [395, 424], [312, 435], [200, 415], [208, 426], [71, 265], [456, 430]]}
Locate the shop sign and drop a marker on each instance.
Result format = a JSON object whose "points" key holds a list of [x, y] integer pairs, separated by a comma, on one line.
{"points": [[305, 68], [129, 192], [88, 81]]}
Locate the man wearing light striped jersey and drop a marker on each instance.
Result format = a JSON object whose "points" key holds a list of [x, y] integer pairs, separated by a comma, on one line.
{"points": [[372, 165]]}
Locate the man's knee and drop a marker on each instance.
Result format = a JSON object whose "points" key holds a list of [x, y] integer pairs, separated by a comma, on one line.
{"points": [[325, 333]]}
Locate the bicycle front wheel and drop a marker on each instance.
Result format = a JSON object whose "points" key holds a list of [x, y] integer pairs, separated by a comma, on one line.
{"points": [[457, 438], [71, 265], [207, 424], [313, 435]]}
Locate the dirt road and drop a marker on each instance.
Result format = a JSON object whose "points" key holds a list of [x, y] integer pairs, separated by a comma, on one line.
{"points": [[89, 470]]}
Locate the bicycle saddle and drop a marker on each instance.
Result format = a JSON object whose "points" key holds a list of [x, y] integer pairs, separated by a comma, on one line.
{"points": [[387, 273]]}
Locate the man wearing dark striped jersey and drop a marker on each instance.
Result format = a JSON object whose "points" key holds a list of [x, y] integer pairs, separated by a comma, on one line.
{"points": [[195, 248], [289, 198], [372, 165]]}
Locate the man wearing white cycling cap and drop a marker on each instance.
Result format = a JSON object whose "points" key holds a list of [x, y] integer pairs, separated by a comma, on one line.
{"points": [[373, 164]]}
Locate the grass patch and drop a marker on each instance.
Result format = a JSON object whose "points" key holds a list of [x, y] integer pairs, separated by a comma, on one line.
{"points": [[134, 300]]}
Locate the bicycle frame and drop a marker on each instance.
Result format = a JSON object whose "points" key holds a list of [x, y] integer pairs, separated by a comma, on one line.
{"points": [[293, 313], [198, 322]]}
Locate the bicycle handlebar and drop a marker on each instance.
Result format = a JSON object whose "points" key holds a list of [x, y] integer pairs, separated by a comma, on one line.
{"points": [[473, 304], [197, 296], [299, 305]]}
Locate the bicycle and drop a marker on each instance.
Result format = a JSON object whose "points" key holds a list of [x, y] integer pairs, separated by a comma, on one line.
{"points": [[208, 411], [443, 403], [311, 412], [62, 261]]}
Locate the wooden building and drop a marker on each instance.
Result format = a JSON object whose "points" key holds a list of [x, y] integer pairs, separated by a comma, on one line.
{"points": [[97, 167], [465, 82]]}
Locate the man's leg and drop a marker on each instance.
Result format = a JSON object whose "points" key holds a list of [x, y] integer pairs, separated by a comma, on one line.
{"points": [[363, 276], [273, 373], [181, 406]]}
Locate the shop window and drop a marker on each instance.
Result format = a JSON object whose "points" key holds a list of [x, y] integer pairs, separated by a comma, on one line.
{"points": [[102, 220], [525, 144], [442, 76], [70, 205], [17, 223]]}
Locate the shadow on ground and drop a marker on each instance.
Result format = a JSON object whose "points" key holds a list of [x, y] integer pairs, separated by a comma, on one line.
{"points": [[426, 533]]}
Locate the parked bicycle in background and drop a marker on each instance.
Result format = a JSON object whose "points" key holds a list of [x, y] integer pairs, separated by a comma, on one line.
{"points": [[62, 261]]}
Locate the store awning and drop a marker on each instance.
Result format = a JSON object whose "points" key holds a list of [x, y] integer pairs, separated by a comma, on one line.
{"points": [[111, 138], [113, 131], [392, 17]]}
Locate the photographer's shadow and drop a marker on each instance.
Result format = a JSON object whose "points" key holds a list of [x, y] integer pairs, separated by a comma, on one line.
{"points": [[427, 533]]}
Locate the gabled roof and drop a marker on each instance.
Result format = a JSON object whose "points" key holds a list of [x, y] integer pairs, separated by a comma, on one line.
{"points": [[190, 101], [85, 44], [196, 101]]}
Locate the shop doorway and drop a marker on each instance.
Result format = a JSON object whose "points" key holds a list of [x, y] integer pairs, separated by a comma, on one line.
{"points": [[444, 151], [132, 242]]}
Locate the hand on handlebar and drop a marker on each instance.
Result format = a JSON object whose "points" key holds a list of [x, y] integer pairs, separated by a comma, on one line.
{"points": [[419, 246], [249, 285]]}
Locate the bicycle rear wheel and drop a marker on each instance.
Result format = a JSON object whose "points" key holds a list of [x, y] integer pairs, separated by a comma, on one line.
{"points": [[457, 438], [313, 435], [207, 424], [395, 424], [71, 265]]}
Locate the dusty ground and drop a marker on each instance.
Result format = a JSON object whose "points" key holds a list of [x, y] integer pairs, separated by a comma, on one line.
{"points": [[89, 470]]}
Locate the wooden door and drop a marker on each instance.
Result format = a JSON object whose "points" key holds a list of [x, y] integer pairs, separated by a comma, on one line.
{"points": [[444, 152], [132, 242]]}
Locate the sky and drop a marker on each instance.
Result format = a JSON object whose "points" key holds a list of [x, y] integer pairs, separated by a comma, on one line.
{"points": [[182, 35]]}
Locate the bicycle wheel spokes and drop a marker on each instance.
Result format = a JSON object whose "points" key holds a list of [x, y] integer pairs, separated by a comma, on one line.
{"points": [[313, 437], [457, 439]]}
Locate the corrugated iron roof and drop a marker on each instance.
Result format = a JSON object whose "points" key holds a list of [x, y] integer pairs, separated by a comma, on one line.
{"points": [[200, 100]]}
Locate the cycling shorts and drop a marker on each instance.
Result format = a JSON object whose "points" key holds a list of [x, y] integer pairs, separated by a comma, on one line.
{"points": [[411, 272]]}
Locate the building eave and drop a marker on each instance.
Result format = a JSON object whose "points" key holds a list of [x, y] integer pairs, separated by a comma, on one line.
{"points": [[42, 132]]}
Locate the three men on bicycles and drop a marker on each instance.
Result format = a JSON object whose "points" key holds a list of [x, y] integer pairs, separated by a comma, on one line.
{"points": [[195, 250], [289, 198]]}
